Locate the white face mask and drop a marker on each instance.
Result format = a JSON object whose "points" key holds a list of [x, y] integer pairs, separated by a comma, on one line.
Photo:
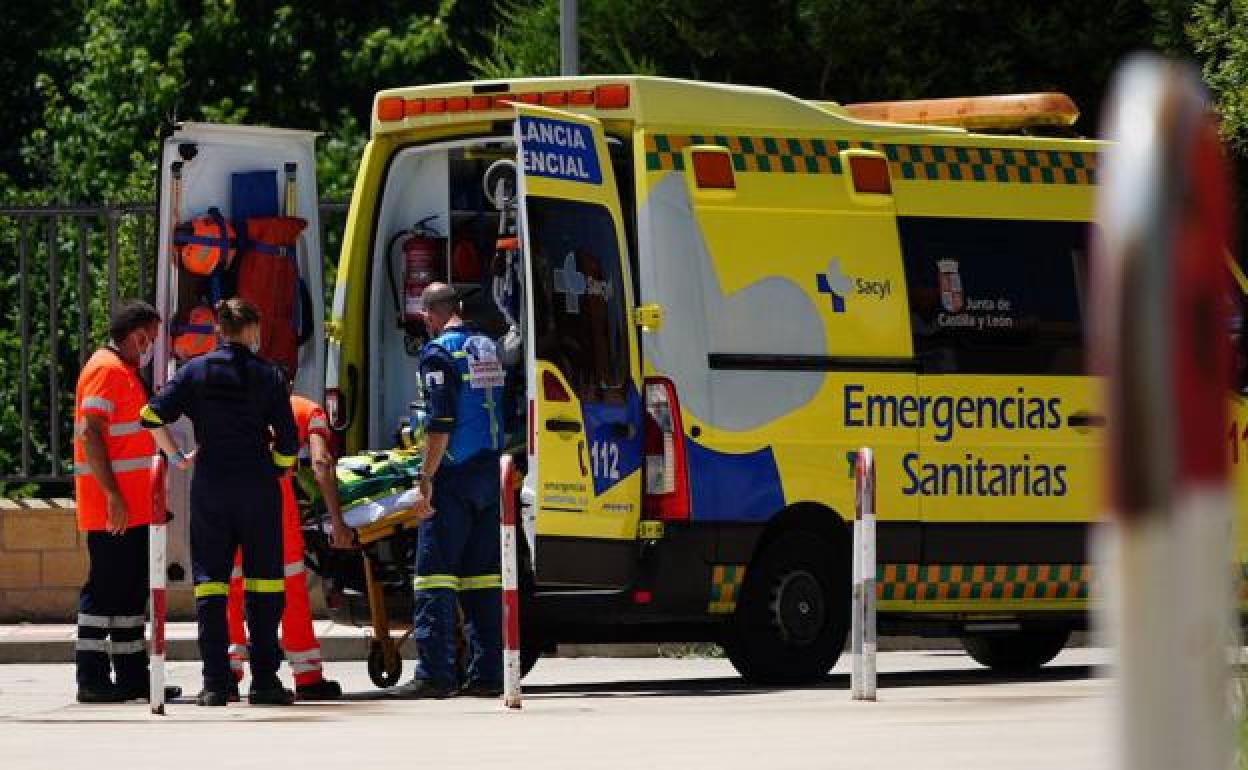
{"points": [[254, 345], [146, 355]]}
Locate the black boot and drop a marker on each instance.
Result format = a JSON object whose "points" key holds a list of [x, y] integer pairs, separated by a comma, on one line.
{"points": [[100, 693], [209, 697], [272, 695], [326, 689]]}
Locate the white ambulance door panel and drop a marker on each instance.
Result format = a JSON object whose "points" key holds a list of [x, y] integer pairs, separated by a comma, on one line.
{"points": [[197, 161], [583, 372], [1007, 469]]}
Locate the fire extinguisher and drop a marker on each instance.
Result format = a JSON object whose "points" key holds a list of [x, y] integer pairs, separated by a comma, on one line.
{"points": [[424, 252]]}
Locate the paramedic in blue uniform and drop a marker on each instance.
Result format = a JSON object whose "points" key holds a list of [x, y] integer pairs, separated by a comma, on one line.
{"points": [[246, 439], [457, 554]]}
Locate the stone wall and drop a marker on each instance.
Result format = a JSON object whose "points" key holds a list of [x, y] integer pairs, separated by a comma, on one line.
{"points": [[43, 562]]}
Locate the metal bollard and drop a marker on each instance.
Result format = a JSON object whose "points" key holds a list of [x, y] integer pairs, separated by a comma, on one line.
{"points": [[862, 621], [512, 670], [1162, 336]]}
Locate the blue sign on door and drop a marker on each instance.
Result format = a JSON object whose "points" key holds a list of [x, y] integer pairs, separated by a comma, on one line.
{"points": [[558, 149]]}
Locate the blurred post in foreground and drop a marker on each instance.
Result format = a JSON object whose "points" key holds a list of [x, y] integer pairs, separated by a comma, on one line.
{"points": [[1162, 339]]}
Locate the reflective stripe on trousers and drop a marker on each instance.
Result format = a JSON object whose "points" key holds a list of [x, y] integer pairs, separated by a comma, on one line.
{"points": [[111, 621], [119, 466], [106, 646]]}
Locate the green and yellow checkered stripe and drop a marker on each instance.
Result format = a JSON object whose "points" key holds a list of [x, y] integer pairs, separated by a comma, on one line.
{"points": [[982, 581], [906, 161], [726, 580]]}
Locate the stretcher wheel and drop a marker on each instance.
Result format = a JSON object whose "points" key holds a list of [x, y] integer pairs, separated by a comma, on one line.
{"points": [[383, 673]]}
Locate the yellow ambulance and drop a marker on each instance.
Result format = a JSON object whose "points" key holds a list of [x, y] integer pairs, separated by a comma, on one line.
{"points": [[718, 294]]}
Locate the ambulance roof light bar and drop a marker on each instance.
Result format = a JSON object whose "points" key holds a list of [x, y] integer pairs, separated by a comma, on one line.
{"points": [[609, 96], [1008, 112]]}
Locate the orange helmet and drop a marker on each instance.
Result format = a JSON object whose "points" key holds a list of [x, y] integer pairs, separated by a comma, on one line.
{"points": [[197, 334], [206, 243]]}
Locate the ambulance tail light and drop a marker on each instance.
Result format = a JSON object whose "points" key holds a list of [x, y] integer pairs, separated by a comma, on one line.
{"points": [[666, 471]]}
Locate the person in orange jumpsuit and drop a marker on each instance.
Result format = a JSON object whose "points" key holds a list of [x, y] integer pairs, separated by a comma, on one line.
{"points": [[299, 642]]}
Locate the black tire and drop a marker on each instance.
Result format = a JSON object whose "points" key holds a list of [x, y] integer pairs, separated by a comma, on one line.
{"points": [[1015, 652], [382, 675], [793, 613]]}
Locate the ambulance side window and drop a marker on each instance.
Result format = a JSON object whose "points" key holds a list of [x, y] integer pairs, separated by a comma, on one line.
{"points": [[579, 304], [996, 296]]}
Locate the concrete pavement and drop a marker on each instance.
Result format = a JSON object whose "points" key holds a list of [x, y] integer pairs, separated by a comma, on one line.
{"points": [[936, 709]]}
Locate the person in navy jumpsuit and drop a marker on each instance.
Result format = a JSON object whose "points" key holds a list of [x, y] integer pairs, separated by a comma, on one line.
{"points": [[246, 437], [457, 553]]}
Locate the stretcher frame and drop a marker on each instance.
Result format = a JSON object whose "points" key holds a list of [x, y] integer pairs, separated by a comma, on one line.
{"points": [[385, 661]]}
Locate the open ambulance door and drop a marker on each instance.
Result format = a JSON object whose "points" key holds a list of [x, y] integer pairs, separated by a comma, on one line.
{"points": [[198, 161], [582, 361]]}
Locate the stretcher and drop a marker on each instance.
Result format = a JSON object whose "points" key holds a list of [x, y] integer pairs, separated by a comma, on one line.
{"points": [[372, 584]]}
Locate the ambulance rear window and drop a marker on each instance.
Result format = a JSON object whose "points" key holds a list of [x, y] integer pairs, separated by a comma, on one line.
{"points": [[579, 311], [996, 296]]}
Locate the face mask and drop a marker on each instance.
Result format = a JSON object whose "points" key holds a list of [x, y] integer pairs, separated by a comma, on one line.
{"points": [[146, 355], [254, 347]]}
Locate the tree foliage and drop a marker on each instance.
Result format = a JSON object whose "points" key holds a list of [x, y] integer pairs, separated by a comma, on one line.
{"points": [[89, 84]]}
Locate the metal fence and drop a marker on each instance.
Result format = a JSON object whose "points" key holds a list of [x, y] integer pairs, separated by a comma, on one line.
{"points": [[62, 270]]}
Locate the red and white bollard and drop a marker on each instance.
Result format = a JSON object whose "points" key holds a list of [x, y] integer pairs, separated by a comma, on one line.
{"points": [[1162, 338], [157, 535], [862, 620], [512, 670]]}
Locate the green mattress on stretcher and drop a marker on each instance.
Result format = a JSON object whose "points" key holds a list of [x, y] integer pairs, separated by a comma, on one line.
{"points": [[374, 485]]}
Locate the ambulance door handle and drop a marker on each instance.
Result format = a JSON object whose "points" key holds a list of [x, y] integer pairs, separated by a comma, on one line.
{"points": [[563, 426], [1086, 420]]}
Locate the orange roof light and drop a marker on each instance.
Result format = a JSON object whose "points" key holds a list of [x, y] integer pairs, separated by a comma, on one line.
{"points": [[610, 96], [1006, 112], [390, 108], [613, 96]]}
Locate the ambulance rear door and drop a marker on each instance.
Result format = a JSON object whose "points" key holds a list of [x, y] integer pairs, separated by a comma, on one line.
{"points": [[582, 359], [198, 161]]}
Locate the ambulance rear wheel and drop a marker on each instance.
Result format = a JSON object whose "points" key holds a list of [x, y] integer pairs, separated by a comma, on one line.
{"points": [[1015, 652], [383, 673], [793, 613]]}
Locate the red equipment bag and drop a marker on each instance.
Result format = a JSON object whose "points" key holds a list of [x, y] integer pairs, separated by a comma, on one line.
{"points": [[268, 275]]}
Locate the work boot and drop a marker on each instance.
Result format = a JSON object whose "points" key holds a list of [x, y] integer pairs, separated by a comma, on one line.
{"points": [[420, 689], [99, 693], [482, 690], [208, 697], [325, 689], [144, 692], [271, 696]]}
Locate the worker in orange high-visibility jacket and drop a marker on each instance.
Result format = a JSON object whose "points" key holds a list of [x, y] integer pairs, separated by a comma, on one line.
{"points": [[299, 643], [113, 486]]}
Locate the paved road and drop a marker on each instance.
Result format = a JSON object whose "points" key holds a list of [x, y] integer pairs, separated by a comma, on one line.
{"points": [[936, 710]]}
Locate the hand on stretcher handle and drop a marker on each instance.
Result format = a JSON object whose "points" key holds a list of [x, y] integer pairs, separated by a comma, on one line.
{"points": [[424, 499]]}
